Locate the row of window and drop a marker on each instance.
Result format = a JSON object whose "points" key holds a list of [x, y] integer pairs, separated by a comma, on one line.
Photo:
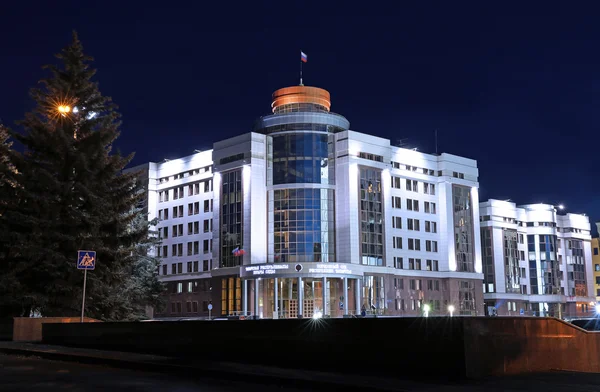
{"points": [[413, 205], [178, 192], [415, 244], [192, 228], [431, 172], [192, 266], [193, 209], [190, 307], [415, 264], [413, 185], [414, 224], [417, 304], [417, 284], [193, 248], [189, 173]]}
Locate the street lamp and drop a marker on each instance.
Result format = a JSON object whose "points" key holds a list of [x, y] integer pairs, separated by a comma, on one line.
{"points": [[451, 310], [64, 109], [426, 309]]}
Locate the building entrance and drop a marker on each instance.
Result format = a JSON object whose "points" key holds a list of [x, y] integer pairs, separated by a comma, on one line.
{"points": [[280, 298]]}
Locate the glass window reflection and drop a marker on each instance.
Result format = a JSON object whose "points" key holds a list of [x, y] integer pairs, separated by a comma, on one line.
{"points": [[303, 222]]}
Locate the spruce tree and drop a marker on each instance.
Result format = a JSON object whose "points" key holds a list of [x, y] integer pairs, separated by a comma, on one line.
{"points": [[73, 195]]}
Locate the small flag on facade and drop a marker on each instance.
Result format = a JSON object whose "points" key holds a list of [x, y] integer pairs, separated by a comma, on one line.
{"points": [[238, 252], [303, 57]]}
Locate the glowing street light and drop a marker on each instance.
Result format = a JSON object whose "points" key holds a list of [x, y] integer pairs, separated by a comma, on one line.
{"points": [[451, 310], [597, 307], [64, 109], [426, 309], [561, 207]]}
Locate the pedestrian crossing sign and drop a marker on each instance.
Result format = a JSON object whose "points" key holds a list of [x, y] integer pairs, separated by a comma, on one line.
{"points": [[86, 259]]}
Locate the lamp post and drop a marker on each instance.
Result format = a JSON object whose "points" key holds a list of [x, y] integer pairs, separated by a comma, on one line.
{"points": [[451, 310]]}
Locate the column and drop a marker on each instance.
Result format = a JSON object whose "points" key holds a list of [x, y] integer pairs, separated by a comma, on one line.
{"points": [[281, 304], [358, 303], [256, 307], [345, 296], [245, 297], [325, 297], [300, 297], [275, 300]]}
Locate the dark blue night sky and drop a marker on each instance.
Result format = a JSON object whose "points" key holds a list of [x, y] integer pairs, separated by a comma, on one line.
{"points": [[515, 88]]}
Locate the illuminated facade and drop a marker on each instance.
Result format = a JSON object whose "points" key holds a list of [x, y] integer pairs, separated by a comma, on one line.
{"points": [[303, 217], [535, 261], [596, 263]]}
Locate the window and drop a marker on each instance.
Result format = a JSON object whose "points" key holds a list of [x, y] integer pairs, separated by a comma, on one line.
{"points": [[413, 224], [398, 263], [397, 242], [432, 265], [207, 225], [396, 222], [595, 251], [164, 269], [173, 268], [206, 247], [395, 182], [165, 233], [418, 264], [189, 249], [197, 227], [179, 288], [596, 267], [164, 251], [207, 186], [431, 246], [430, 226], [190, 228], [206, 206], [412, 205], [396, 202], [412, 185], [371, 217], [205, 265], [411, 264], [195, 266], [371, 157], [463, 228], [428, 189], [196, 247], [180, 268], [195, 307]]}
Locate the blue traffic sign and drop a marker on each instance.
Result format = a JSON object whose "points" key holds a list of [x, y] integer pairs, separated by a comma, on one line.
{"points": [[86, 259]]}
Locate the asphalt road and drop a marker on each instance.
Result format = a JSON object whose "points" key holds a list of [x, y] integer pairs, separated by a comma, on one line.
{"points": [[36, 374]]}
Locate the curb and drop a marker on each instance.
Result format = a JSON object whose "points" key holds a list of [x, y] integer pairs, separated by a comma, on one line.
{"points": [[191, 372]]}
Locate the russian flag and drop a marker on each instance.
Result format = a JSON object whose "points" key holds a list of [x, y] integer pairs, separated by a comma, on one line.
{"points": [[303, 57]]}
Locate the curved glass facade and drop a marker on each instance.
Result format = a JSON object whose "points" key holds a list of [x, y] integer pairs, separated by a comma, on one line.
{"points": [[301, 158], [303, 225]]}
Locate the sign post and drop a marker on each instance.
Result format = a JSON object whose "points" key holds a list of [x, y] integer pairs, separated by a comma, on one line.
{"points": [[86, 260]]}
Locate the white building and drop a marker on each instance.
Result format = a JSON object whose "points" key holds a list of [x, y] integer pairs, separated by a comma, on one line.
{"points": [[303, 202], [535, 261]]}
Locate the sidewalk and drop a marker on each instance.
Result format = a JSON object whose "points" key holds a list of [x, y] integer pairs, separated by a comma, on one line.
{"points": [[214, 370]]}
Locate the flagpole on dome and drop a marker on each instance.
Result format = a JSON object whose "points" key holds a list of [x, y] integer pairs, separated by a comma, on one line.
{"points": [[303, 59]]}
